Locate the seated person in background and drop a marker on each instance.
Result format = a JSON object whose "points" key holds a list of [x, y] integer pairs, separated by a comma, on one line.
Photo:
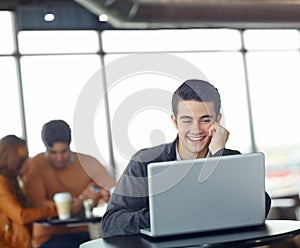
{"points": [[15, 219], [196, 116], [61, 170]]}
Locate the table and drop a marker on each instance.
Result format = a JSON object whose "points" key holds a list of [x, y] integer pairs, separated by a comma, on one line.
{"points": [[79, 220], [272, 231], [93, 224], [73, 221]]}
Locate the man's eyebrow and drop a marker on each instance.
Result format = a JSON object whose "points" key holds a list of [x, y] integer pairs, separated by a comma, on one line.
{"points": [[191, 117], [206, 116], [52, 151], [186, 117]]}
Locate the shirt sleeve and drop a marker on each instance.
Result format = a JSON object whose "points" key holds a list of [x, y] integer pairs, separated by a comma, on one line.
{"points": [[224, 152], [34, 187], [96, 171], [11, 207], [128, 209]]}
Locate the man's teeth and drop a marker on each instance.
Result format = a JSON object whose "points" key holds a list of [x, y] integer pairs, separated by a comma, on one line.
{"points": [[195, 138]]}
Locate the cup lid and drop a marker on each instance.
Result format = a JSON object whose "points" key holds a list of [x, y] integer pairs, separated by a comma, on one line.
{"points": [[62, 196]]}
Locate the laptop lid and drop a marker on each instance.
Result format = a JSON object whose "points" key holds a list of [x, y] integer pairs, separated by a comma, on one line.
{"points": [[206, 194]]}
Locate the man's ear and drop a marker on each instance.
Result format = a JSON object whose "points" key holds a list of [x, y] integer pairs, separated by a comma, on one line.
{"points": [[219, 117], [174, 120]]}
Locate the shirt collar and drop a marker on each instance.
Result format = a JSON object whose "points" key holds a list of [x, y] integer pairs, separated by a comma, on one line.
{"points": [[177, 153], [179, 158]]}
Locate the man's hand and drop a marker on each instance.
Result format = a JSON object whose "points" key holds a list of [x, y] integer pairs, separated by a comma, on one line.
{"points": [[76, 206], [95, 192], [219, 136]]}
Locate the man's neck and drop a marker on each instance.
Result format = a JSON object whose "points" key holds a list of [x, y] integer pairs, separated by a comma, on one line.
{"points": [[203, 154]]}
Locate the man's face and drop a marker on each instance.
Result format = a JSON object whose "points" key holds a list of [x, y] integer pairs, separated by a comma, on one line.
{"points": [[193, 121], [59, 155]]}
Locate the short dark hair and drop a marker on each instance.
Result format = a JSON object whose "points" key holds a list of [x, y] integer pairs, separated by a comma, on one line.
{"points": [[56, 131], [198, 90]]}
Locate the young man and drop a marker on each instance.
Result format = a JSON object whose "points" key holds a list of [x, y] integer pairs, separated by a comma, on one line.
{"points": [[61, 170], [196, 116]]}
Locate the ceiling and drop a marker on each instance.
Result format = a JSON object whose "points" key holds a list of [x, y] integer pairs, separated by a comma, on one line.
{"points": [[197, 13], [152, 14]]}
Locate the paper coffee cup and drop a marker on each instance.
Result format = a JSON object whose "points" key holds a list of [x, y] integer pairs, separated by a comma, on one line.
{"points": [[63, 204]]}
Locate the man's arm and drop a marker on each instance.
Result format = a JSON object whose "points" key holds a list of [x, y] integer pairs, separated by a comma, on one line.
{"points": [[122, 219], [100, 183], [127, 210], [11, 207], [95, 192], [219, 136], [96, 171], [35, 191]]}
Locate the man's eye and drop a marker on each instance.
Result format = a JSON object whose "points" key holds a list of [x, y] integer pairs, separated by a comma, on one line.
{"points": [[206, 121], [187, 121]]}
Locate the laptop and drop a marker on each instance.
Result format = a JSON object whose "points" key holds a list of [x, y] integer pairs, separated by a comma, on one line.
{"points": [[206, 194]]}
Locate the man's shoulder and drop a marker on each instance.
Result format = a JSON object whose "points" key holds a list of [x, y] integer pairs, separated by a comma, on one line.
{"points": [[225, 152], [40, 164], [83, 155], [230, 152], [40, 158], [155, 153], [83, 158], [154, 148]]}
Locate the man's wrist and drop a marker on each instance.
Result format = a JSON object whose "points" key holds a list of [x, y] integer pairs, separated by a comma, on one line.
{"points": [[217, 152]]}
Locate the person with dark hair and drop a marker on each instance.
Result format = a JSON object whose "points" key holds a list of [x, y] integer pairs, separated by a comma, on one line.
{"points": [[56, 131], [15, 218], [196, 116], [59, 169]]}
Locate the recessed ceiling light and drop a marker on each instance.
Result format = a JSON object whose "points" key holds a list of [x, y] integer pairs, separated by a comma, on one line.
{"points": [[49, 17], [103, 18]]}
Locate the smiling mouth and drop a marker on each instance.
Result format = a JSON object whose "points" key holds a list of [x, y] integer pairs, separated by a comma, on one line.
{"points": [[196, 139]]}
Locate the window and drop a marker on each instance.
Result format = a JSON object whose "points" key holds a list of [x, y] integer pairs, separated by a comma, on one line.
{"points": [[57, 82], [7, 41], [272, 39], [9, 86], [9, 98], [139, 104], [171, 40], [62, 77], [273, 80], [47, 42], [140, 86]]}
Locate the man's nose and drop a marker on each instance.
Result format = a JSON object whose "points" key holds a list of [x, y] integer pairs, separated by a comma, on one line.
{"points": [[197, 127], [59, 156]]}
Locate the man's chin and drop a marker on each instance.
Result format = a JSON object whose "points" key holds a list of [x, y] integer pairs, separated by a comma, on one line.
{"points": [[200, 152], [197, 148], [59, 166]]}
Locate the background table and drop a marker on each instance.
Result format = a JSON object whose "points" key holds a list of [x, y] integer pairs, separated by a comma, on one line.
{"points": [[272, 231], [73, 221], [93, 224]]}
